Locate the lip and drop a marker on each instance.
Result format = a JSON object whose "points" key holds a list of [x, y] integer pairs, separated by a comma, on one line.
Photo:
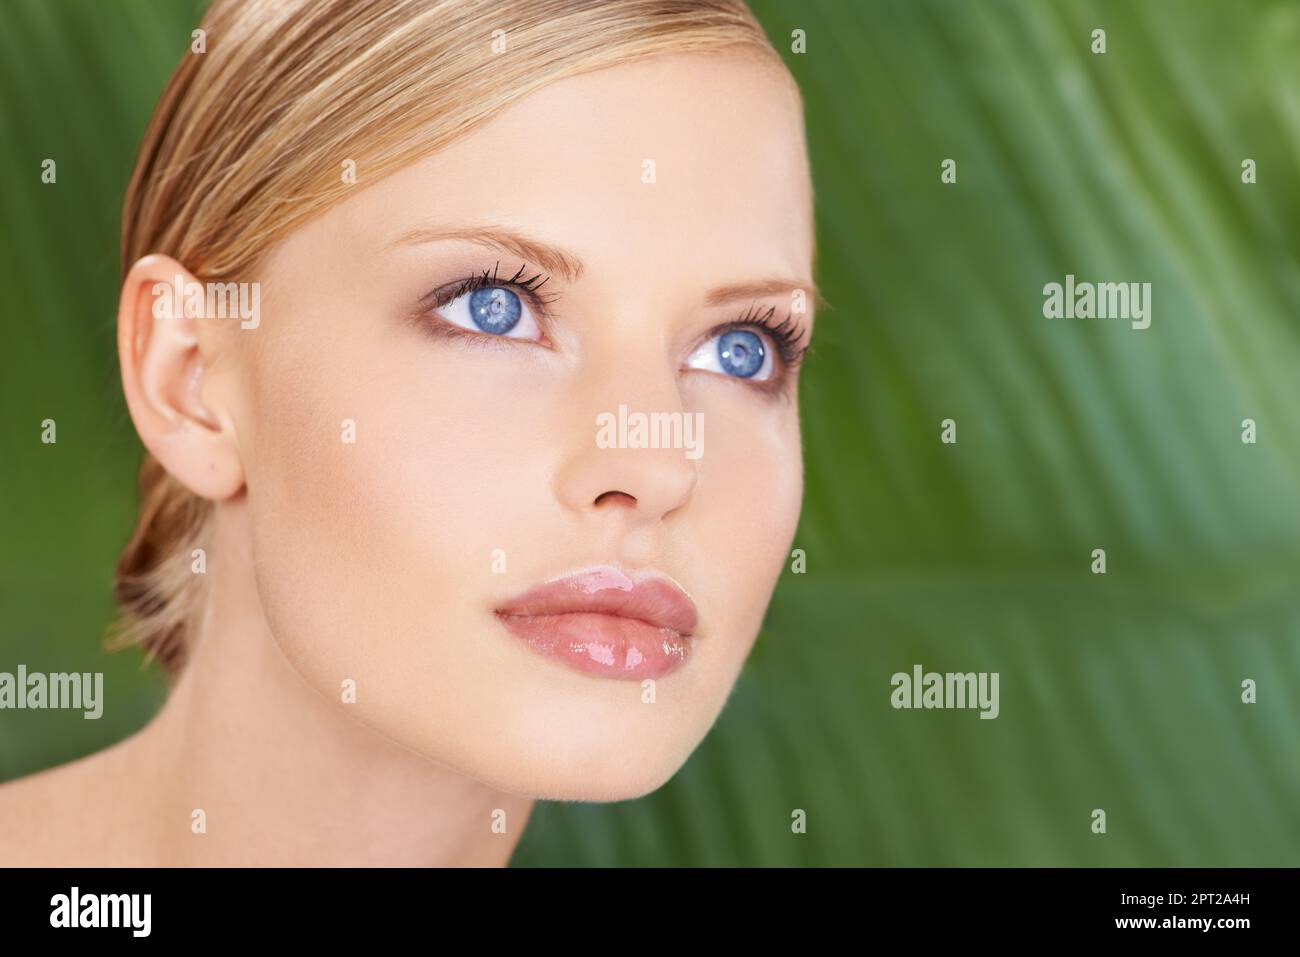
{"points": [[602, 621]]}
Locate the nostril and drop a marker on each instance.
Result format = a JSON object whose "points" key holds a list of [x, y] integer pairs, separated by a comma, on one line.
{"points": [[615, 498]]}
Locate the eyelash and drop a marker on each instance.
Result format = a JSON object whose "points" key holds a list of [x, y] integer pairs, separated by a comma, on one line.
{"points": [[450, 293], [789, 339]]}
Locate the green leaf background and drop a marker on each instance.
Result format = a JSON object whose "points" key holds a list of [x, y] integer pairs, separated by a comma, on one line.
{"points": [[1119, 691]]}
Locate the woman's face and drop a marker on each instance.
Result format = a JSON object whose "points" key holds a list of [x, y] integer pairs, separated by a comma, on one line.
{"points": [[417, 463]]}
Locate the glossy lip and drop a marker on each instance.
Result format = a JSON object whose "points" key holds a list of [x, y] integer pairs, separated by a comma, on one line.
{"points": [[602, 621]]}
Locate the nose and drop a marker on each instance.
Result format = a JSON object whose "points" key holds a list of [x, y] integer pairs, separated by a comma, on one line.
{"points": [[635, 453]]}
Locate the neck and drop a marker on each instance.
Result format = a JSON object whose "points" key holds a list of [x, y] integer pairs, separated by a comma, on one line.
{"points": [[285, 777]]}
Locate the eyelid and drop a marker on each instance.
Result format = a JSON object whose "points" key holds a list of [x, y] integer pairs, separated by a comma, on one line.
{"points": [[439, 297], [785, 337], [524, 281], [786, 334]]}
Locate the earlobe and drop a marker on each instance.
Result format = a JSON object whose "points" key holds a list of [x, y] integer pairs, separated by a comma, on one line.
{"points": [[160, 349]]}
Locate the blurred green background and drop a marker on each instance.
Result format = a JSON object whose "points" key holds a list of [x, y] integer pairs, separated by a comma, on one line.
{"points": [[1119, 691]]}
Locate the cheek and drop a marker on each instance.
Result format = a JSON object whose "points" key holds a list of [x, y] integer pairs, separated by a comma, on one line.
{"points": [[383, 481], [746, 508]]}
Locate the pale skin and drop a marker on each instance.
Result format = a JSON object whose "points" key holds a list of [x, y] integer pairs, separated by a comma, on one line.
{"points": [[373, 561]]}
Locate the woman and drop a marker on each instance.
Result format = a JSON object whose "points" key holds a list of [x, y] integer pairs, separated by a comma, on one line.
{"points": [[463, 340]]}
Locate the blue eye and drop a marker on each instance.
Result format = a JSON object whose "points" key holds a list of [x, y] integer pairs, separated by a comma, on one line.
{"points": [[495, 310], [740, 353]]}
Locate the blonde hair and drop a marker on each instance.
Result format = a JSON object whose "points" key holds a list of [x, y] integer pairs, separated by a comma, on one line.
{"points": [[249, 140]]}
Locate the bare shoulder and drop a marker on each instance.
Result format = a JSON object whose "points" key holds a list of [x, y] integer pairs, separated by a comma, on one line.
{"points": [[63, 816], [32, 812]]}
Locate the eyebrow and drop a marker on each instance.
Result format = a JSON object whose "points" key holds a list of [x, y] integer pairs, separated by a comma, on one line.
{"points": [[551, 258], [763, 288], [559, 261]]}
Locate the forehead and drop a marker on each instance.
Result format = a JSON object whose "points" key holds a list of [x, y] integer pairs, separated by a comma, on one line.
{"points": [[669, 157]]}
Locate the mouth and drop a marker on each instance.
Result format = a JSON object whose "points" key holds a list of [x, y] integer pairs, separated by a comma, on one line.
{"points": [[601, 621]]}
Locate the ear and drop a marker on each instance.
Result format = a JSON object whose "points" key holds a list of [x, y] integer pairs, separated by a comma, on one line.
{"points": [[158, 345]]}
